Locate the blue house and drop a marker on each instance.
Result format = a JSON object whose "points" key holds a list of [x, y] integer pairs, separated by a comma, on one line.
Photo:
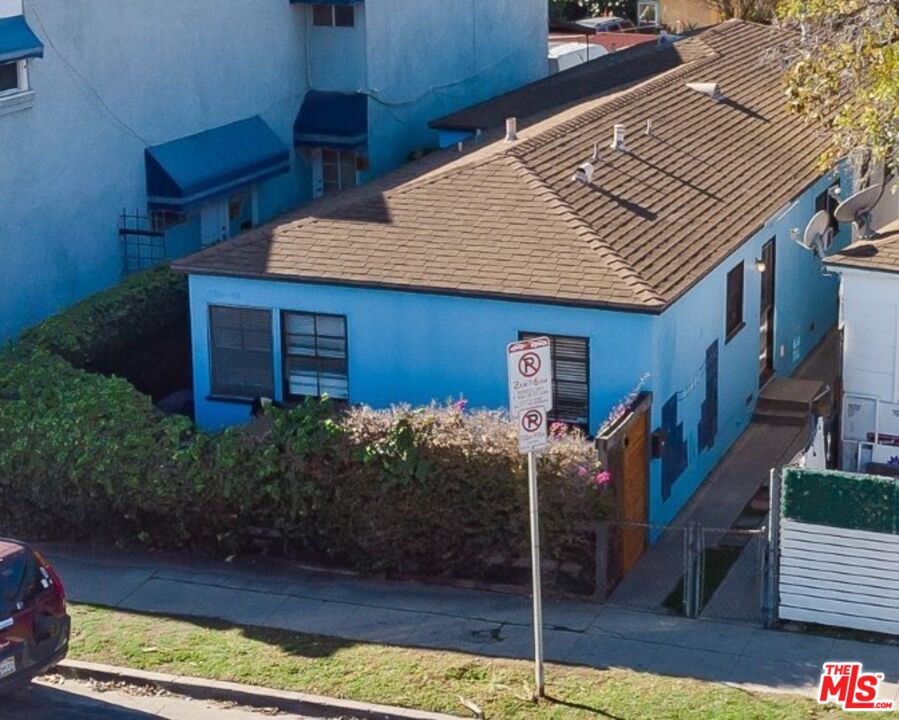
{"points": [[646, 230], [122, 145]]}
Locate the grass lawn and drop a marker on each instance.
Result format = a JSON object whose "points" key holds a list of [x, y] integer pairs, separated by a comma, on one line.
{"points": [[424, 679]]}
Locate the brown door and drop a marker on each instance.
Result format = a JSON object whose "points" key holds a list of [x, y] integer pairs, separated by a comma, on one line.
{"points": [[625, 453], [634, 490], [766, 316]]}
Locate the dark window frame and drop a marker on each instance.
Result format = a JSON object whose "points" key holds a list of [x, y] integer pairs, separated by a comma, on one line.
{"points": [[553, 414], [286, 355], [325, 15], [828, 203], [228, 393], [734, 317]]}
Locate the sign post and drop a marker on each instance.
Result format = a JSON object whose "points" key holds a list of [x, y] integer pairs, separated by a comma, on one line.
{"points": [[530, 399]]}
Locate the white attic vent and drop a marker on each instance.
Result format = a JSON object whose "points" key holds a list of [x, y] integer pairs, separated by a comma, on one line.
{"points": [[618, 138], [511, 129], [585, 171], [707, 88]]}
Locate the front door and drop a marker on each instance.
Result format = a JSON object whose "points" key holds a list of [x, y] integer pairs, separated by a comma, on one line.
{"points": [[625, 452], [766, 318]]}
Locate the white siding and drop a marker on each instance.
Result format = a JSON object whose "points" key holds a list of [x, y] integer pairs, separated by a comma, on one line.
{"points": [[844, 578], [870, 312]]}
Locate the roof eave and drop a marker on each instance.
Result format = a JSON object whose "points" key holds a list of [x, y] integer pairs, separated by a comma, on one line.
{"points": [[648, 308]]}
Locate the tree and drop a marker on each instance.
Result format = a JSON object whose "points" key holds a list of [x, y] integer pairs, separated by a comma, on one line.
{"points": [[753, 10], [844, 74], [577, 9]]}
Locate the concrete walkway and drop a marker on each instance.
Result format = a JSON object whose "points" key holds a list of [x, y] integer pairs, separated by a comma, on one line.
{"points": [[719, 502], [481, 623]]}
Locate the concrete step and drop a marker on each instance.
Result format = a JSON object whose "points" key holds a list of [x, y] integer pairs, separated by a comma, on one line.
{"points": [[783, 418], [773, 405]]}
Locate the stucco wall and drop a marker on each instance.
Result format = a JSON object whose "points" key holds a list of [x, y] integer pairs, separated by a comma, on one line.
{"points": [[444, 56], [806, 303], [406, 347], [119, 76], [116, 77]]}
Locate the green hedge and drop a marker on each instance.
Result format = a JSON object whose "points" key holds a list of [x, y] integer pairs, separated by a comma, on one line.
{"points": [[428, 491], [104, 324], [844, 500]]}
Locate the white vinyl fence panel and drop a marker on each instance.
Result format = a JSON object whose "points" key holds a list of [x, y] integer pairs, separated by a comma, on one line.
{"points": [[839, 577]]}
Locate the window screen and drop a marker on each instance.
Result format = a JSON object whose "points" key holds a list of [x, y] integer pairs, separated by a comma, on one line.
{"points": [[241, 340], [734, 313], [571, 377], [315, 356]]}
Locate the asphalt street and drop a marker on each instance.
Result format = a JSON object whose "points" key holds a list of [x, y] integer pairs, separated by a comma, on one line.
{"points": [[57, 699]]}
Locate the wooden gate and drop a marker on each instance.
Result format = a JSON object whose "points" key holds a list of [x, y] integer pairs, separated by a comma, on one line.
{"points": [[624, 449]]}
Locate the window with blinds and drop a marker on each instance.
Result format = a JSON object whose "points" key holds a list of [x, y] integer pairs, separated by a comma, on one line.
{"points": [[571, 377], [315, 356], [241, 352]]}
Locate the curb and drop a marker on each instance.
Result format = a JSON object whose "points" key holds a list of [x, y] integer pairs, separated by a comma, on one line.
{"points": [[247, 695]]}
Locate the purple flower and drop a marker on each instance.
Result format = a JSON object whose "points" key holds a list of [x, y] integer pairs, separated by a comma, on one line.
{"points": [[582, 471], [460, 405]]}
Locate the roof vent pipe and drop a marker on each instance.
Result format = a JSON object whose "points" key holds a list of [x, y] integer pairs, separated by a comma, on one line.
{"points": [[618, 138], [511, 129]]}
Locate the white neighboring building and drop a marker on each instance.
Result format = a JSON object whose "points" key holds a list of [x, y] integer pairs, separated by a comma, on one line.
{"points": [[869, 321]]}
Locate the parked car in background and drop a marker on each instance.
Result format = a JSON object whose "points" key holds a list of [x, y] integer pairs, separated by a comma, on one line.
{"points": [[609, 23], [34, 625]]}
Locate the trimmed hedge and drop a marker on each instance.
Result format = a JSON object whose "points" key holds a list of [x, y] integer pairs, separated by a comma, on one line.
{"points": [[103, 325], [430, 491], [844, 500]]}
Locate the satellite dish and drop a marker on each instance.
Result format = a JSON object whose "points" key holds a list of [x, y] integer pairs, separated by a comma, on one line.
{"points": [[857, 209], [818, 236]]}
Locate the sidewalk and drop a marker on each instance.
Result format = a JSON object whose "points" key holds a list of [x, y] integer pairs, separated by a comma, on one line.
{"points": [[280, 595]]}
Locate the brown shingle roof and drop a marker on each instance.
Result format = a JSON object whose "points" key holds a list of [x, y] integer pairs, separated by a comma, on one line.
{"points": [[881, 253], [507, 220], [584, 82]]}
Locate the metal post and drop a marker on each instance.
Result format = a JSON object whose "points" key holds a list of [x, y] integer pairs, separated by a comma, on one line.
{"points": [[535, 565], [773, 554]]}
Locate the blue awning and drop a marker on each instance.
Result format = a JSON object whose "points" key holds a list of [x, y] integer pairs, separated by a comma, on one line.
{"points": [[17, 41], [331, 119], [213, 163], [325, 2]]}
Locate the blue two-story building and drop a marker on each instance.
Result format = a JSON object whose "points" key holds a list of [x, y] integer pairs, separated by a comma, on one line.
{"points": [[649, 231], [134, 132]]}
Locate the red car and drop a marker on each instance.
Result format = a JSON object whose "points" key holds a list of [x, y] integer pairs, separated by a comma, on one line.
{"points": [[34, 625]]}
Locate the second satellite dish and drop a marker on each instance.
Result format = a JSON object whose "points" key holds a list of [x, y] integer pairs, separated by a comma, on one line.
{"points": [[857, 209]]}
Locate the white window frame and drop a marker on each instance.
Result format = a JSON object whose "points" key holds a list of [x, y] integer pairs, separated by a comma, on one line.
{"points": [[319, 171], [656, 9], [20, 97]]}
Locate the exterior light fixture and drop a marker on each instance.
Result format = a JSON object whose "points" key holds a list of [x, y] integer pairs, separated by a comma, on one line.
{"points": [[760, 265]]}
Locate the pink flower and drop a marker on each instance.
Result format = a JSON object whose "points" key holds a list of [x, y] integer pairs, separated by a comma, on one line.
{"points": [[582, 471], [460, 405], [558, 430], [603, 478]]}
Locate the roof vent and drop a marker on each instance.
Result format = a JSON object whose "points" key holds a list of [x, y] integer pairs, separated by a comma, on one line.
{"points": [[707, 88], [511, 129], [584, 173], [618, 138]]}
